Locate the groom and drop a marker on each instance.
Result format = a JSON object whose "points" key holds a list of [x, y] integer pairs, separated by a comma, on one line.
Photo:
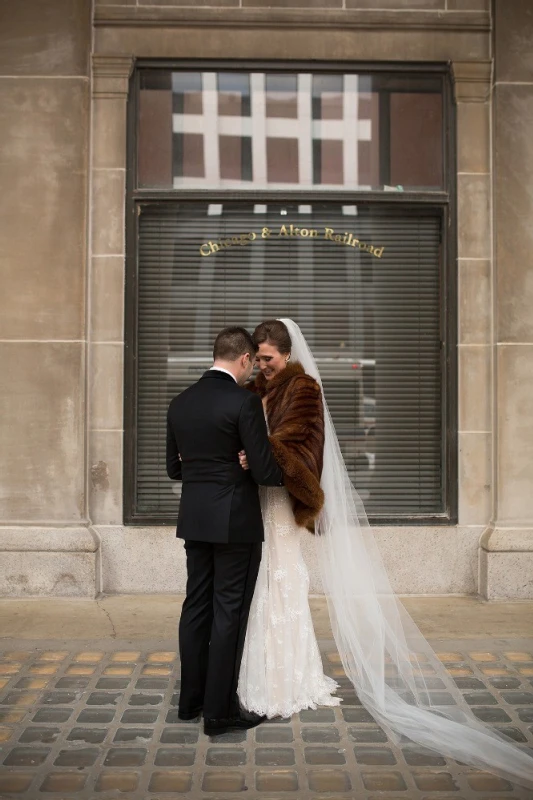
{"points": [[220, 519]]}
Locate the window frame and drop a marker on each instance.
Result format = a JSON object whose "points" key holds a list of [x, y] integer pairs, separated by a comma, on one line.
{"points": [[444, 202]]}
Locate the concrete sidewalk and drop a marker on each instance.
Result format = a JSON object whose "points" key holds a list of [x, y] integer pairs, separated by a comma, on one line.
{"points": [[155, 616], [88, 709]]}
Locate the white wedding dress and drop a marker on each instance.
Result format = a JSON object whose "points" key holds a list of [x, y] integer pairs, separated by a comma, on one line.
{"points": [[281, 670], [381, 649]]}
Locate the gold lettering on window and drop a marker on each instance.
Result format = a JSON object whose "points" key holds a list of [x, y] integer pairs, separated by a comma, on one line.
{"points": [[344, 238]]}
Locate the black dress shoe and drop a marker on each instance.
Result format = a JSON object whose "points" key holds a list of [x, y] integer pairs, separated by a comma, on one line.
{"points": [[243, 722]]}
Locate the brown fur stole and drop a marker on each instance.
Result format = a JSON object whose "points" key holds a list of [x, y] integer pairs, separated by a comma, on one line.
{"points": [[296, 421]]}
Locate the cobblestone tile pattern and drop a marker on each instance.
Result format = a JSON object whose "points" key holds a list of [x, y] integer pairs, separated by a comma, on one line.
{"points": [[97, 724]]}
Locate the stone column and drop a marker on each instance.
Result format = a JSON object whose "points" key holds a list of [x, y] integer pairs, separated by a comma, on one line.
{"points": [[472, 95], [45, 544], [111, 75], [507, 555]]}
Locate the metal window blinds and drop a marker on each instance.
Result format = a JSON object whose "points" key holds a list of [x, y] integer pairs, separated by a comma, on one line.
{"points": [[364, 284]]}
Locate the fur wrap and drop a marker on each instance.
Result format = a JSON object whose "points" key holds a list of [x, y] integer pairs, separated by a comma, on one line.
{"points": [[296, 423]]}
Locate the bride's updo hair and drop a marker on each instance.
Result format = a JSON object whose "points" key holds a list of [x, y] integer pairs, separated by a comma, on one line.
{"points": [[276, 333]]}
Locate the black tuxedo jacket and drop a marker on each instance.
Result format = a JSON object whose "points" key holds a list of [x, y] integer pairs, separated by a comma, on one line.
{"points": [[207, 425]]}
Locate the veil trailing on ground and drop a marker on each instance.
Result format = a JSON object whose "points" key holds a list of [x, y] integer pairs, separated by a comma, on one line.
{"points": [[397, 675]]}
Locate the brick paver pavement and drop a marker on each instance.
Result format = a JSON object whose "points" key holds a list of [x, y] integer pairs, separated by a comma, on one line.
{"points": [[102, 722]]}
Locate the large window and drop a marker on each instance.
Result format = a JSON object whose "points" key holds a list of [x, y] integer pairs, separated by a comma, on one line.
{"points": [[261, 130], [316, 196]]}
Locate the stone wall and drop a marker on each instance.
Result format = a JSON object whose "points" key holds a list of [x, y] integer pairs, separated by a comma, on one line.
{"points": [[507, 555], [424, 559], [395, 5], [62, 326], [44, 150]]}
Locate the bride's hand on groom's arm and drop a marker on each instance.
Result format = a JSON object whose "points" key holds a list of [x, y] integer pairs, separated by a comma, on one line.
{"points": [[243, 461]]}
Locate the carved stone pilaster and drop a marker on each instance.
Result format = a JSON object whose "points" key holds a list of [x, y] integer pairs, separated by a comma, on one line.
{"points": [[472, 81], [111, 74]]}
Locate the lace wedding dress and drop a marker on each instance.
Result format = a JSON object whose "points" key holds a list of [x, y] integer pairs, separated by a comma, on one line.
{"points": [[281, 670], [382, 651]]}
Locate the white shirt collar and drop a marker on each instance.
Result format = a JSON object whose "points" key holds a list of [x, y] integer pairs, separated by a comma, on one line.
{"points": [[221, 369]]}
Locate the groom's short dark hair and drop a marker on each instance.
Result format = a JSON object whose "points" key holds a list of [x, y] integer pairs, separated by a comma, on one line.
{"points": [[232, 343]]}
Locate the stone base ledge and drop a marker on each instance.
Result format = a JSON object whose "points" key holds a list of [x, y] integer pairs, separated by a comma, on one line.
{"points": [[41, 539], [506, 564], [82, 561], [507, 540], [421, 560], [48, 562]]}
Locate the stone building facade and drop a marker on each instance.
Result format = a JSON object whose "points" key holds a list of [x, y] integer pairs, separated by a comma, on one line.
{"points": [[65, 81]]}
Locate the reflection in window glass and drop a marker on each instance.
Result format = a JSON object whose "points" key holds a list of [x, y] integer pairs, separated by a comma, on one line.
{"points": [[327, 96], [233, 94], [328, 164], [187, 95], [369, 163], [274, 130], [416, 120], [155, 161], [281, 96], [235, 157], [188, 155], [282, 160]]}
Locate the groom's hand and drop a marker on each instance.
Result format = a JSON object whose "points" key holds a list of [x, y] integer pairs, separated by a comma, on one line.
{"points": [[243, 460]]}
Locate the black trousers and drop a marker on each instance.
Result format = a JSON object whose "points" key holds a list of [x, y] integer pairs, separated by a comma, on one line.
{"points": [[220, 585]]}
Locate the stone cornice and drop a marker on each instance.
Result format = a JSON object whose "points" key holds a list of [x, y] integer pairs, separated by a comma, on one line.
{"points": [[472, 81], [146, 16], [111, 74]]}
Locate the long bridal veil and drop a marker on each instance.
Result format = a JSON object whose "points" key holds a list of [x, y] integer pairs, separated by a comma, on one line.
{"points": [[391, 665]]}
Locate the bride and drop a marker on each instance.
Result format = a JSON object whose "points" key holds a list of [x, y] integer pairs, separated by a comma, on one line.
{"points": [[281, 668], [382, 651]]}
